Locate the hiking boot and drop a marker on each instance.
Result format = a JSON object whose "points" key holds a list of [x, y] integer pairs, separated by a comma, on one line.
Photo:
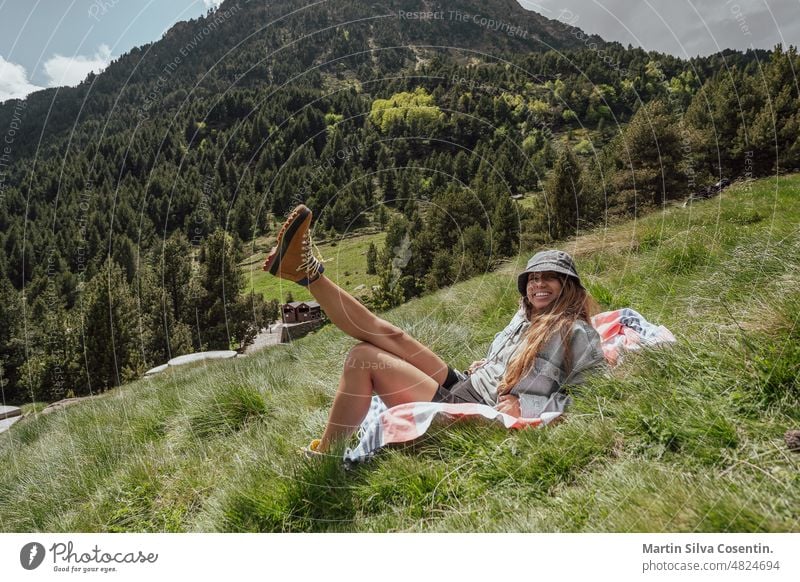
{"points": [[292, 258]]}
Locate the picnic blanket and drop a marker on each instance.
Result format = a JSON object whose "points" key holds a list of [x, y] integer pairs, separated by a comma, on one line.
{"points": [[626, 330], [619, 330], [406, 422]]}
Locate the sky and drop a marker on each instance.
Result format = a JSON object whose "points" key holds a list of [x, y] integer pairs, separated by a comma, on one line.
{"points": [[683, 28], [50, 43]]}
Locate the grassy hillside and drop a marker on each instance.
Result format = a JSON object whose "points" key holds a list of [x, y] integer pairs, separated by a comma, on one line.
{"points": [[684, 439]]}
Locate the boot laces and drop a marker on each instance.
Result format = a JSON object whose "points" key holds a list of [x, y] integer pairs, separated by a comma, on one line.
{"points": [[311, 264]]}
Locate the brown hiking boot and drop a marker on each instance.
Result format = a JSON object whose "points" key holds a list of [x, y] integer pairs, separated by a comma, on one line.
{"points": [[292, 257]]}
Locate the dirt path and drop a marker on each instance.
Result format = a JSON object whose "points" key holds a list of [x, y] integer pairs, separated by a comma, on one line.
{"points": [[265, 338]]}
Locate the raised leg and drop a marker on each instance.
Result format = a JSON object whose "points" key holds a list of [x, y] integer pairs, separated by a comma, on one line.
{"points": [[357, 321], [369, 369], [293, 259]]}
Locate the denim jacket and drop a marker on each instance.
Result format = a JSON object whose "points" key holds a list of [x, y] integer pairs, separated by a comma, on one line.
{"points": [[542, 388]]}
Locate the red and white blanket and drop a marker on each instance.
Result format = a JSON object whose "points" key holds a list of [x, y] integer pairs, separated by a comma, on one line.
{"points": [[406, 422], [622, 329], [626, 330]]}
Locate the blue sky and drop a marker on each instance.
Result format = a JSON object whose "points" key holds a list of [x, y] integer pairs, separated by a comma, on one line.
{"points": [[48, 43]]}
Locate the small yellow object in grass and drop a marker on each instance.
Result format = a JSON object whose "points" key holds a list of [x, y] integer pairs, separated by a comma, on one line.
{"points": [[312, 449]]}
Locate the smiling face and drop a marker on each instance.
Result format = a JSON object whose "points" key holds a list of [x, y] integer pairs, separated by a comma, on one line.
{"points": [[543, 288]]}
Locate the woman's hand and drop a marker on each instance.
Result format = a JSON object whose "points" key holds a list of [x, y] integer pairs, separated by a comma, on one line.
{"points": [[509, 404], [475, 365]]}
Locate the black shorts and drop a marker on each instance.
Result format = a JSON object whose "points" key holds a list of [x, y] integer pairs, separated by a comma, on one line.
{"points": [[458, 393]]}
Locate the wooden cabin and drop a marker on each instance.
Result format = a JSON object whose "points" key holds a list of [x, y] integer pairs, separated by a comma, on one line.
{"points": [[301, 311]]}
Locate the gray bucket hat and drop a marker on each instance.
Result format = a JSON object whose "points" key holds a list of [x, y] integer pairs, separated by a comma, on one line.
{"points": [[556, 261]]}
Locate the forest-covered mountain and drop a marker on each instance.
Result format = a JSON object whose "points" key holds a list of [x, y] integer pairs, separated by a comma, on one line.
{"points": [[124, 202], [255, 44]]}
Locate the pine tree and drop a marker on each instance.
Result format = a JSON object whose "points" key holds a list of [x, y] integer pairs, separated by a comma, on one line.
{"points": [[453, 211], [383, 216], [54, 366], [242, 218], [410, 205], [395, 232], [372, 257], [441, 273], [505, 227], [125, 256], [773, 142], [109, 329], [714, 119], [161, 334], [650, 164], [563, 193], [221, 281], [389, 188], [388, 293], [222, 170], [175, 272], [476, 252], [12, 345], [461, 168]]}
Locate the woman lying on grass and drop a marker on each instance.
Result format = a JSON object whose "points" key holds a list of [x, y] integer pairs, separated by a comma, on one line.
{"points": [[524, 374]]}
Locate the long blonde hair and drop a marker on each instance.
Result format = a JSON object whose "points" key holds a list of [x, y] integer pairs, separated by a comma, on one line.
{"points": [[573, 303]]}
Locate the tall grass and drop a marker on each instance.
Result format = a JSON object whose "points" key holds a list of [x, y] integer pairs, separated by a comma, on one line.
{"points": [[686, 438]]}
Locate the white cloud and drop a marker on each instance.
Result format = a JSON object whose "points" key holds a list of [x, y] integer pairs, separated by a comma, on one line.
{"points": [[212, 3], [70, 71], [14, 82]]}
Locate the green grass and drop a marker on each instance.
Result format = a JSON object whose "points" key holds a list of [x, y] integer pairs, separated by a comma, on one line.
{"points": [[687, 438], [33, 407]]}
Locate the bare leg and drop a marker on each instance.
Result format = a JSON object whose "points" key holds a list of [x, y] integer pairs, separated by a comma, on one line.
{"points": [[369, 369], [359, 322]]}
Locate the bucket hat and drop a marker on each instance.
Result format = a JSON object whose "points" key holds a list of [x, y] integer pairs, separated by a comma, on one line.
{"points": [[556, 261]]}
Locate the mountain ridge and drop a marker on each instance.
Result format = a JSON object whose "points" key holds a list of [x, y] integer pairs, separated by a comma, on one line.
{"points": [[265, 27]]}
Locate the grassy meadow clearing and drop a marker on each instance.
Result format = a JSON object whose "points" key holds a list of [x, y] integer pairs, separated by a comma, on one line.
{"points": [[686, 438]]}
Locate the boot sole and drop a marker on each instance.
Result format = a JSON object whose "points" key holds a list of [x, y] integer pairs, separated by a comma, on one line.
{"points": [[287, 238]]}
